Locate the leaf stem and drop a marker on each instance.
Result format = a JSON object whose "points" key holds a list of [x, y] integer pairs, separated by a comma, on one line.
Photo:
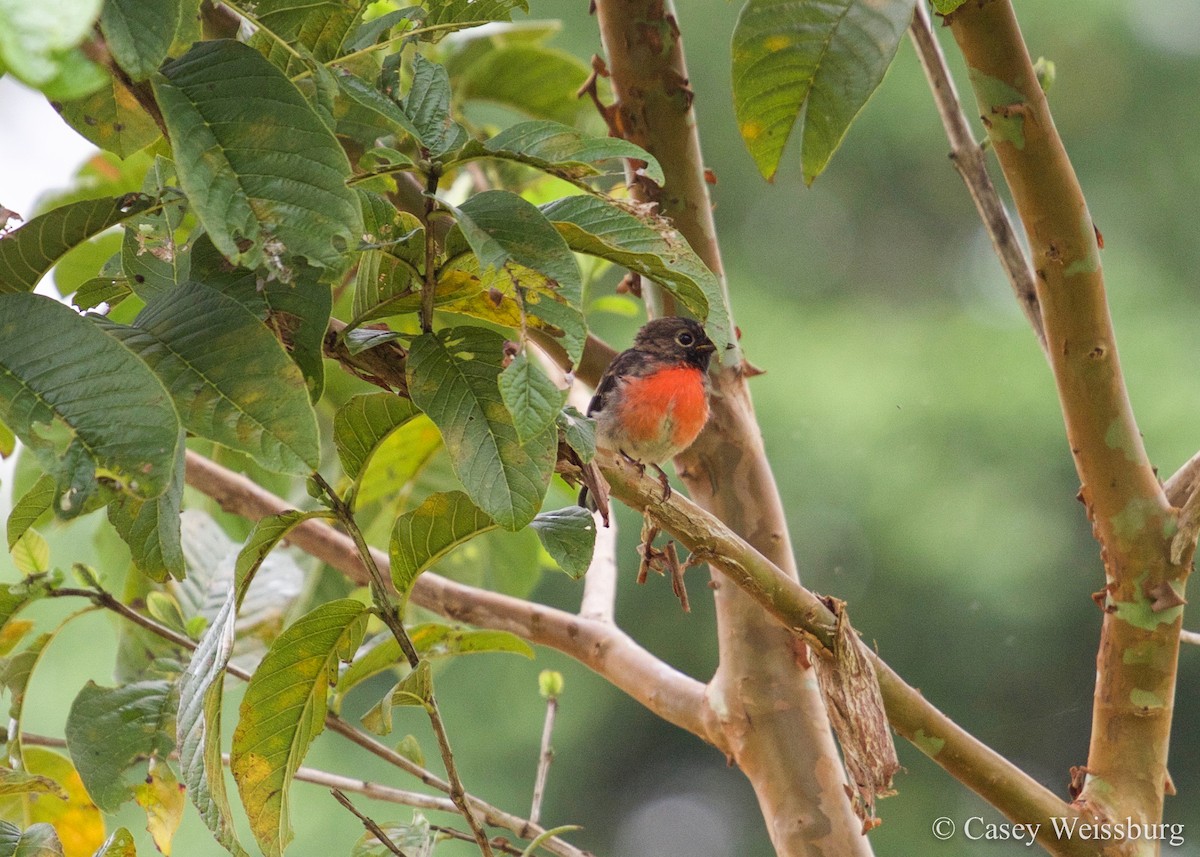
{"points": [[429, 285], [388, 612], [367, 822], [545, 757]]}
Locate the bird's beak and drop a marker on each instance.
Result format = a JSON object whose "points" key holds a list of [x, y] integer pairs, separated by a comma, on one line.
{"points": [[708, 346]]}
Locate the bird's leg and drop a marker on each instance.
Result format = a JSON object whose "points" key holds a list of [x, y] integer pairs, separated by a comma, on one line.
{"points": [[649, 553], [641, 468], [664, 482]]}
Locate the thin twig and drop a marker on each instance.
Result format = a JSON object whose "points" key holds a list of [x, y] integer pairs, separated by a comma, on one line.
{"points": [[429, 283], [1191, 637], [492, 815], [367, 822], [545, 757], [387, 611], [967, 157]]}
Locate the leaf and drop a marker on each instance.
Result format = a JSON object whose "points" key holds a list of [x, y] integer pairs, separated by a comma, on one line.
{"points": [[297, 312], [415, 839], [462, 11], [431, 640], [501, 227], [21, 782], [86, 406], [29, 508], [530, 396], [415, 689], [39, 840], [230, 378], [112, 119], [546, 835], [119, 844], [813, 65], [540, 82], [645, 244], [578, 431], [110, 729], [161, 796], [363, 423], [452, 376], [398, 461], [264, 174], [38, 40], [151, 527], [567, 152], [370, 32], [429, 532], [28, 253], [945, 7], [427, 106], [569, 536], [284, 710], [371, 98], [79, 825], [139, 33], [30, 553]]}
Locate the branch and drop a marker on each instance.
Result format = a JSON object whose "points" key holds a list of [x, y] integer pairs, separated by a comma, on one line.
{"points": [[1192, 638], [367, 822], [600, 646], [1131, 515], [968, 158]]}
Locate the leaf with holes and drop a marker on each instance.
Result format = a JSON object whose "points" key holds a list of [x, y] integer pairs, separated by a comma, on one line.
{"points": [[264, 174], [429, 532], [813, 65], [86, 406], [217, 360], [284, 710], [453, 377], [28, 253]]}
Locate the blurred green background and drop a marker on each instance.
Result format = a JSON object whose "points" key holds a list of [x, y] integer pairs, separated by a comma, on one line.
{"points": [[916, 439]]}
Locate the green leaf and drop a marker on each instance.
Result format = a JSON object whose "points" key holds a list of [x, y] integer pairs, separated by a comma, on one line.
{"points": [[266, 534], [284, 710], [540, 82], [119, 844], [264, 174], [363, 423], [569, 536], [371, 98], [645, 244], [546, 835], [945, 7], [296, 312], [452, 376], [398, 461], [530, 396], [39, 840], [112, 119], [412, 838], [427, 106], [415, 689], [813, 65], [28, 253], [99, 290], [370, 32], [16, 671], [37, 39], [30, 553], [569, 153], [139, 33], [578, 431], [29, 508], [230, 378], [151, 527], [429, 532], [462, 11], [435, 640], [21, 783], [501, 227], [110, 729], [84, 404]]}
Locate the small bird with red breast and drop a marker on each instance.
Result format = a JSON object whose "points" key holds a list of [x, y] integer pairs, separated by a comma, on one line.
{"points": [[652, 401]]}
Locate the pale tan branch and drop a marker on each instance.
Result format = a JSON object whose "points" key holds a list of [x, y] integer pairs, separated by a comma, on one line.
{"points": [[1190, 637], [968, 158], [600, 646]]}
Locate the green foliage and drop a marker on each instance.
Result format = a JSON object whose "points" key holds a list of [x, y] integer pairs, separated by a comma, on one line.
{"points": [[140, 32], [31, 251], [39, 44], [429, 532], [809, 64], [284, 710], [267, 197], [569, 536], [39, 840]]}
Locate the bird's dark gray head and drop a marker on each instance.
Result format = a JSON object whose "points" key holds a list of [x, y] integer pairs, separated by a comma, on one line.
{"points": [[676, 338]]}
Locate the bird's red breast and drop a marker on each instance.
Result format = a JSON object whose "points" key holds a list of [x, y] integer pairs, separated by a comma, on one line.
{"points": [[672, 399]]}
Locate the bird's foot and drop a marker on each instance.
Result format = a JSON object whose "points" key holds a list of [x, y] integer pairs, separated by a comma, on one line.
{"points": [[664, 482]]}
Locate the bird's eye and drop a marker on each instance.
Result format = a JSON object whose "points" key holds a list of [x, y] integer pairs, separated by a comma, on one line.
{"points": [[685, 339]]}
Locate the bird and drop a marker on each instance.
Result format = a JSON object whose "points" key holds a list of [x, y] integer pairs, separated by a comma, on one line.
{"points": [[652, 400]]}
